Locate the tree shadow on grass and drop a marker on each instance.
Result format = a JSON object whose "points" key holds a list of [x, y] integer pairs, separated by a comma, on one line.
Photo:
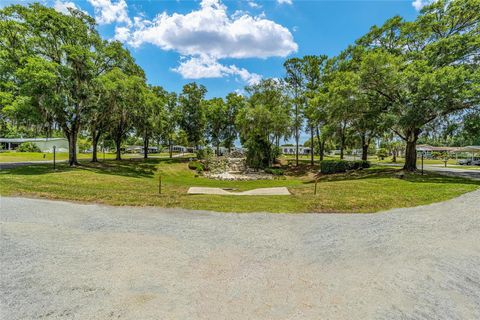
{"points": [[135, 168], [385, 173]]}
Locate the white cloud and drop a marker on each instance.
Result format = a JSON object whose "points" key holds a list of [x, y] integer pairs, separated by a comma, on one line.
{"points": [[284, 1], [206, 35], [122, 33], [107, 12], [62, 7], [419, 4], [253, 4], [206, 67], [211, 31]]}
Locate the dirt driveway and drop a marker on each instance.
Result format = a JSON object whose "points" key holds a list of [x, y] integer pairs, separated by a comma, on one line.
{"points": [[70, 261]]}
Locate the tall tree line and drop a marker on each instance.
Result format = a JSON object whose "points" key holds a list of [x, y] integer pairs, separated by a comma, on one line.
{"points": [[404, 81]]}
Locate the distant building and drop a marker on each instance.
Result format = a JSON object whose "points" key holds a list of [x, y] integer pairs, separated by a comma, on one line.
{"points": [[44, 144], [180, 149], [292, 150], [139, 149]]}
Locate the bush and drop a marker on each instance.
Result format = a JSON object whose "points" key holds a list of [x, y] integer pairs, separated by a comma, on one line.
{"points": [[197, 166], [193, 165], [28, 147], [274, 171], [382, 153], [204, 153], [337, 166], [200, 168]]}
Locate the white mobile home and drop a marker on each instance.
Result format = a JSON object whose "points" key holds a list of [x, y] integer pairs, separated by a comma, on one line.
{"points": [[292, 150], [44, 144]]}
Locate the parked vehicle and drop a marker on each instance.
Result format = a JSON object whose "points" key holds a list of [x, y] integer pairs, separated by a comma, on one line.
{"points": [[464, 162], [475, 163]]}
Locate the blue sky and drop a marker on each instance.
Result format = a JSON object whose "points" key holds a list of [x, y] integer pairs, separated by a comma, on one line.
{"points": [[227, 44]]}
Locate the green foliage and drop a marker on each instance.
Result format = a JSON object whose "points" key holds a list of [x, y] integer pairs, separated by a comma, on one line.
{"points": [[471, 128], [275, 171], [339, 166], [194, 165], [263, 122], [234, 103], [216, 119], [84, 145], [28, 147], [192, 119], [204, 153], [382, 153]]}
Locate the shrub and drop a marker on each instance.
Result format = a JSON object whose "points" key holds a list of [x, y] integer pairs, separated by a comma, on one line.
{"points": [[28, 147], [193, 165], [200, 168], [337, 166], [274, 171], [204, 153], [382, 153]]}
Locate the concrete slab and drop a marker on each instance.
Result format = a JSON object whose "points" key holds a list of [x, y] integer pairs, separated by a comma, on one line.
{"points": [[279, 191]]}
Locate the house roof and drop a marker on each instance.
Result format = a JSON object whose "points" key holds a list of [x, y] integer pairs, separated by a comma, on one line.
{"points": [[20, 140], [425, 147]]}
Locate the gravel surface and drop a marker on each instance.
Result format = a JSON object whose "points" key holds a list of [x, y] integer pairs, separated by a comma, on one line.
{"points": [[63, 260], [278, 191]]}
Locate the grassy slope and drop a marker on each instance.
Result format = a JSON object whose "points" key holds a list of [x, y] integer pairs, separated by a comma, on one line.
{"points": [[135, 182]]}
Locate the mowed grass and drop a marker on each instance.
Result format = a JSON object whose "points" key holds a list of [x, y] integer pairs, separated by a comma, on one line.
{"points": [[12, 156], [465, 167], [135, 182], [38, 156]]}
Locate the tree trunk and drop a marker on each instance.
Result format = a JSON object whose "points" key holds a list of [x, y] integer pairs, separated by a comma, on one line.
{"points": [[365, 152], [311, 146], [321, 144], [342, 145], [118, 142], [145, 146], [394, 155], [72, 147], [170, 148], [411, 150], [322, 149], [218, 148], [95, 138], [296, 150], [365, 144]]}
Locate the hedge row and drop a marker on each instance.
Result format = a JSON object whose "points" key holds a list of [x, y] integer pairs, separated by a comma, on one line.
{"points": [[337, 166], [275, 171]]}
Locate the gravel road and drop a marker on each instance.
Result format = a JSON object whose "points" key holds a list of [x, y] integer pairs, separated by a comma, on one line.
{"points": [[63, 260]]}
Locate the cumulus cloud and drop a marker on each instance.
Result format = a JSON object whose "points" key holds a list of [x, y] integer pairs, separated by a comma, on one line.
{"points": [[419, 4], [284, 1], [205, 36], [207, 67], [62, 7], [211, 31], [253, 4], [122, 33], [107, 11]]}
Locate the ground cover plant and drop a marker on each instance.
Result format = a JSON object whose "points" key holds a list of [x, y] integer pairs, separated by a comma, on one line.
{"points": [[135, 182]]}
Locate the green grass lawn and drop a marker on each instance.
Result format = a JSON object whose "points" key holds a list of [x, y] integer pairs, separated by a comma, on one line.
{"points": [[464, 167], [37, 156], [450, 162], [40, 156], [135, 182]]}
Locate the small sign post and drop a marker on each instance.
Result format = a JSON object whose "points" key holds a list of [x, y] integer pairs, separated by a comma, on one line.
{"points": [[159, 183], [315, 190], [54, 149], [422, 161]]}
